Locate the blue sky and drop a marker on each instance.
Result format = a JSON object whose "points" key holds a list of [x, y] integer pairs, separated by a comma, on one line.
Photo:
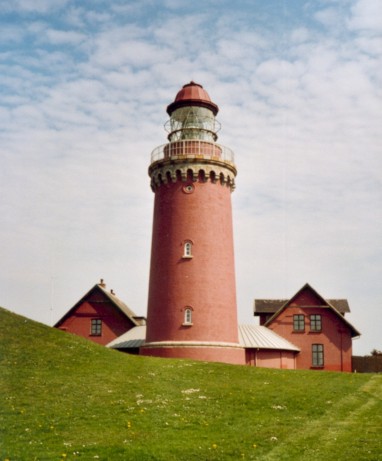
{"points": [[84, 87]]}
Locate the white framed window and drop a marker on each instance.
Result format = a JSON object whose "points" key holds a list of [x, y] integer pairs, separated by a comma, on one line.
{"points": [[187, 320], [187, 249]]}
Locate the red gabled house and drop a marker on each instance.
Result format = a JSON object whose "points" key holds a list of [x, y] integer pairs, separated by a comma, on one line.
{"points": [[315, 325], [99, 316]]}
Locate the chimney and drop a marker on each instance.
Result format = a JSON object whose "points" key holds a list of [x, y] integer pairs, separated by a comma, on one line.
{"points": [[102, 283]]}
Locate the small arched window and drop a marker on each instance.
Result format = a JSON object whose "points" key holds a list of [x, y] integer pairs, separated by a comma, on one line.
{"points": [[187, 250], [187, 316]]}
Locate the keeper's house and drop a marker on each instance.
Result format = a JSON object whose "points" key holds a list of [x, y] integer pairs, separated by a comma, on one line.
{"points": [[99, 316], [317, 326]]}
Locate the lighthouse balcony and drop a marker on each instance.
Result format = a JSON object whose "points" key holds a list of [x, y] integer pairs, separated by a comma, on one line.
{"points": [[192, 149]]}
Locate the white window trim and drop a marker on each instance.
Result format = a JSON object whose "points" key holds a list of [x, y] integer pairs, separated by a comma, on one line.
{"points": [[187, 319], [187, 250]]}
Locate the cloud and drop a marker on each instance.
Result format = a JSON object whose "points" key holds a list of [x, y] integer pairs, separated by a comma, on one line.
{"points": [[11, 34], [60, 37], [330, 17], [366, 16], [37, 6]]}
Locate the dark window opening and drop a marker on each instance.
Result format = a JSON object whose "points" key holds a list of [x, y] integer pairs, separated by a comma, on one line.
{"points": [[317, 355], [96, 327], [315, 322], [298, 322]]}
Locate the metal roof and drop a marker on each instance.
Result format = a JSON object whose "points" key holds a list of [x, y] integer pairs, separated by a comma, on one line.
{"points": [[192, 94], [260, 337], [132, 339], [250, 337]]}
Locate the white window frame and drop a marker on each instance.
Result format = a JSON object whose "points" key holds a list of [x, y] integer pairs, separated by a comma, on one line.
{"points": [[187, 319], [187, 250]]}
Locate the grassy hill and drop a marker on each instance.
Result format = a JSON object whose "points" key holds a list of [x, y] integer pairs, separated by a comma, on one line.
{"points": [[65, 398]]}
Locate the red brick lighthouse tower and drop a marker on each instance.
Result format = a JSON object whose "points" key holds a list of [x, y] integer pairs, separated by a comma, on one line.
{"points": [[192, 309]]}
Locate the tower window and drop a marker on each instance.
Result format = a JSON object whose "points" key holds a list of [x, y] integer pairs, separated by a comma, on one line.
{"points": [[187, 250], [187, 316], [96, 327]]}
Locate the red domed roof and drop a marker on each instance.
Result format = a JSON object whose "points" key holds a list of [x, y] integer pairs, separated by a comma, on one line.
{"points": [[192, 94]]}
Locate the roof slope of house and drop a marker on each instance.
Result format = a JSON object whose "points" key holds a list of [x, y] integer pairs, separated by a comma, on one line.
{"points": [[132, 339], [120, 305], [270, 306], [260, 337], [325, 304], [250, 336]]}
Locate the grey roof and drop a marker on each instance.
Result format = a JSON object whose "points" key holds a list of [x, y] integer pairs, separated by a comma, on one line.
{"points": [[260, 337], [250, 336], [132, 339], [270, 306]]}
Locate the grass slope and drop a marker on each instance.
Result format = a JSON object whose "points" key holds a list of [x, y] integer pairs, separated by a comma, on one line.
{"points": [[63, 397]]}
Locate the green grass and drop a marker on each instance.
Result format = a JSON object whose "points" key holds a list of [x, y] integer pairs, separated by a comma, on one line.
{"points": [[63, 397]]}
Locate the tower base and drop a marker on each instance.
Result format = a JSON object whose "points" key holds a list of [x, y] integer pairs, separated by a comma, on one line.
{"points": [[209, 352]]}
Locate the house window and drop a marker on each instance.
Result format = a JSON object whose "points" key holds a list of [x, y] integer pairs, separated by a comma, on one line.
{"points": [[317, 355], [187, 250], [187, 316], [298, 322], [96, 327], [315, 322]]}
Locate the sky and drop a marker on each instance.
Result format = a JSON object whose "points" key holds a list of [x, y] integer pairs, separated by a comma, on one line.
{"points": [[83, 93]]}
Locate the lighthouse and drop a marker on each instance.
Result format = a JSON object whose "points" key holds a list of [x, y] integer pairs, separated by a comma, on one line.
{"points": [[192, 311]]}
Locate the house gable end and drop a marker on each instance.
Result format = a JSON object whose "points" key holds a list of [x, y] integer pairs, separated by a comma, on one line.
{"points": [[98, 316], [75, 309], [88, 305], [307, 297]]}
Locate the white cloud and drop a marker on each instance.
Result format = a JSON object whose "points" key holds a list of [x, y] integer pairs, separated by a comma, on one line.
{"points": [[330, 17], [37, 6], [60, 37], [366, 16], [11, 34], [300, 35]]}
